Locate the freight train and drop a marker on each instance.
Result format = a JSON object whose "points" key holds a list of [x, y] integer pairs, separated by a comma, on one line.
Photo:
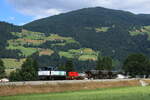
{"points": [[49, 73]]}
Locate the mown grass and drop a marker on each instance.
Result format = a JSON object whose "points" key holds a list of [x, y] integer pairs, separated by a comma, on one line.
{"points": [[62, 40], [123, 93], [66, 54], [82, 54], [46, 52], [24, 51], [101, 29], [35, 39], [29, 34], [12, 63], [88, 57]]}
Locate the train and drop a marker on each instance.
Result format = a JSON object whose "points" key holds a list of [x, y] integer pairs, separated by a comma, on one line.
{"points": [[49, 73]]}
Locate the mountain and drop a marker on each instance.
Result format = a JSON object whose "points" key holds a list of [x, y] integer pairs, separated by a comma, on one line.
{"points": [[5, 30], [49, 50], [79, 35], [146, 16], [101, 29]]}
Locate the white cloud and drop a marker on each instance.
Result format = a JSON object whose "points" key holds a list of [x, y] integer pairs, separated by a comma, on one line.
{"points": [[44, 8], [22, 23], [12, 18], [48, 12], [40, 13]]}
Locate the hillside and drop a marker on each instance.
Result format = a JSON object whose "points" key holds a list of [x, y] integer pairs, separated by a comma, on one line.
{"points": [[28, 43], [77, 35], [101, 29], [48, 50], [5, 30]]}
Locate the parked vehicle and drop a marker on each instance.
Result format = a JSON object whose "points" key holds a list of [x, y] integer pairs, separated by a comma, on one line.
{"points": [[4, 80]]}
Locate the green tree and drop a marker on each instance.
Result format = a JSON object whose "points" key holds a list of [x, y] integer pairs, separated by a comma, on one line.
{"points": [[15, 75], [69, 66], [104, 63], [2, 69], [136, 64], [147, 69], [107, 63], [99, 63], [28, 71]]}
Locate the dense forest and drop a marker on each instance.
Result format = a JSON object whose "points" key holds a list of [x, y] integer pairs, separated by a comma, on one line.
{"points": [[5, 30]]}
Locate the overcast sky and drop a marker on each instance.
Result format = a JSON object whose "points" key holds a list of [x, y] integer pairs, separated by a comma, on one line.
{"points": [[36, 9]]}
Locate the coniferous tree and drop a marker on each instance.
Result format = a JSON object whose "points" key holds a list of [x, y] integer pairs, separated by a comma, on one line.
{"points": [[99, 63], [29, 70], [107, 63], [69, 66], [104, 63], [2, 69]]}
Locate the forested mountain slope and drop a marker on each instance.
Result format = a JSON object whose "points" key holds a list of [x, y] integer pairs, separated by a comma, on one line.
{"points": [[77, 35]]}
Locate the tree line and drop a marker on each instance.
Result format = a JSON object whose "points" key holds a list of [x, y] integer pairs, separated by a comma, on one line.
{"points": [[134, 64]]}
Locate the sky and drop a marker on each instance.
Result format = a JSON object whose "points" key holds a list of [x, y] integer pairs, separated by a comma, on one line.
{"points": [[20, 12]]}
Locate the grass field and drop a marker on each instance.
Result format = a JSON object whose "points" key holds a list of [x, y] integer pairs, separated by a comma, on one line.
{"points": [[12, 64], [88, 57], [24, 51], [27, 42], [144, 30], [123, 93], [82, 54], [46, 52], [102, 29]]}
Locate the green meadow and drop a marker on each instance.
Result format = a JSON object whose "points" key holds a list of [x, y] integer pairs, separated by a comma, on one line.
{"points": [[27, 42], [144, 30], [123, 93], [82, 54]]}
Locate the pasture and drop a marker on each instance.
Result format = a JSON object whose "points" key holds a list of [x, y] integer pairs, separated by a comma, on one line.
{"points": [[82, 54], [12, 64]]}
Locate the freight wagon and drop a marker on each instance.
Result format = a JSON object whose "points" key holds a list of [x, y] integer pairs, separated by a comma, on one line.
{"points": [[52, 75], [101, 74], [49, 73]]}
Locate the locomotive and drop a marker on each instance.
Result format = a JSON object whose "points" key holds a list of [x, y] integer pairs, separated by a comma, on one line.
{"points": [[50, 73]]}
